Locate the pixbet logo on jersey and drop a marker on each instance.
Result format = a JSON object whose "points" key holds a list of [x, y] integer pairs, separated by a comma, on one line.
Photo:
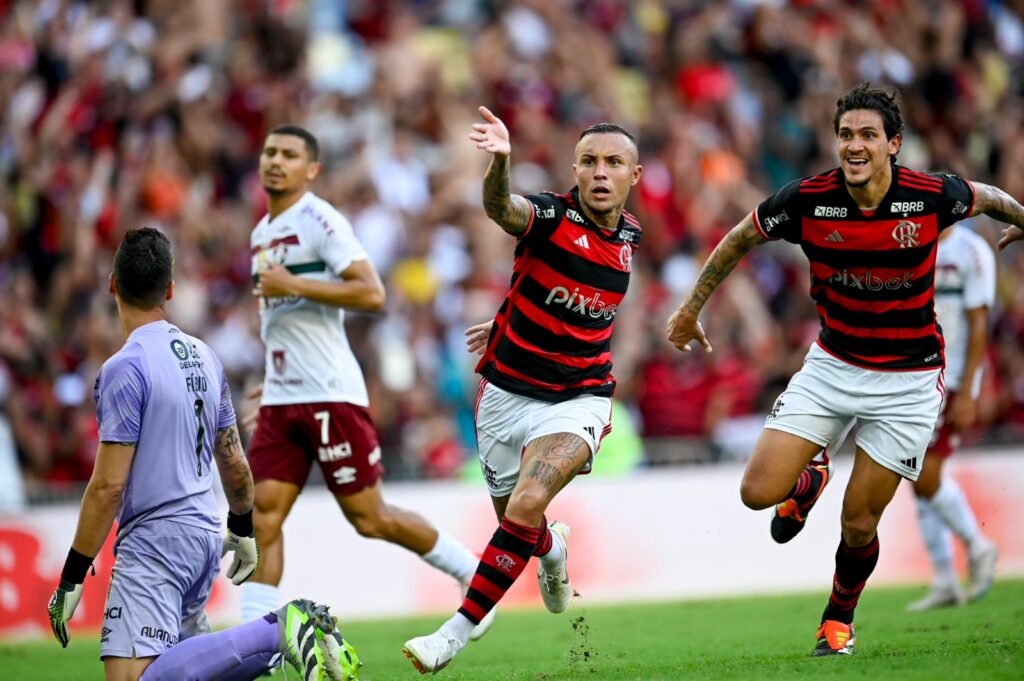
{"points": [[866, 280], [580, 304]]}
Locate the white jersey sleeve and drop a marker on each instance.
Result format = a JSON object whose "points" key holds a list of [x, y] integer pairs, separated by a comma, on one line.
{"points": [[337, 244]]}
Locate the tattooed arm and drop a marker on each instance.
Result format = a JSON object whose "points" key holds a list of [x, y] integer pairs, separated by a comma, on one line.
{"points": [[998, 205], [235, 475], [511, 211], [683, 326]]}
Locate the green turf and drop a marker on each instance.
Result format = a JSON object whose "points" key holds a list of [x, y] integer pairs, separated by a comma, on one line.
{"points": [[749, 638]]}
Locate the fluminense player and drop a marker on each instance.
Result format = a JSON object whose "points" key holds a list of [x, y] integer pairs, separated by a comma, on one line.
{"points": [[544, 402], [870, 229], [965, 289], [165, 418], [309, 268]]}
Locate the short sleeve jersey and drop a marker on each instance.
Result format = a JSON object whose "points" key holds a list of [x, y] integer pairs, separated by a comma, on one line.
{"points": [[308, 356], [965, 279], [166, 392], [551, 339], [872, 272]]}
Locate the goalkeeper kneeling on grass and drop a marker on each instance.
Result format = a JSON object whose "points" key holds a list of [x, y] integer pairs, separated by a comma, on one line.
{"points": [[165, 417]]}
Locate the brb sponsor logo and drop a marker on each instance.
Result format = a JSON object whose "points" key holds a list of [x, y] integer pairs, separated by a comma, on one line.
{"points": [[867, 280], [830, 211], [907, 206], [580, 304]]}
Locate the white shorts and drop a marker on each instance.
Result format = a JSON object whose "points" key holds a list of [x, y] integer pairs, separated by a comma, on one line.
{"points": [[506, 423], [896, 410]]}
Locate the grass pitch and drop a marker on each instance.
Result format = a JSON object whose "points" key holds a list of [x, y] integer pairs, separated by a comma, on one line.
{"points": [[742, 638]]}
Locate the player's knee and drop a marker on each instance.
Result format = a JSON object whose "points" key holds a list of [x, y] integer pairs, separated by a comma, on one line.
{"points": [[755, 496], [371, 526], [860, 529], [527, 503], [267, 527]]}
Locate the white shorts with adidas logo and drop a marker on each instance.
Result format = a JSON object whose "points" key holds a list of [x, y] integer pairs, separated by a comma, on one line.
{"points": [[507, 422], [896, 411]]}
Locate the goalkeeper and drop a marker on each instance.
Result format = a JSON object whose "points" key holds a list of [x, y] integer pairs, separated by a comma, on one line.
{"points": [[165, 417]]}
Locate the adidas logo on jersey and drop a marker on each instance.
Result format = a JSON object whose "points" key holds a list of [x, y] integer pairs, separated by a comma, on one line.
{"points": [[835, 237], [582, 242], [910, 463]]}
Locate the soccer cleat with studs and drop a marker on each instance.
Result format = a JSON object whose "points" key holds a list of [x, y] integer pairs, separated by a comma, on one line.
{"points": [[555, 588], [835, 638], [789, 517]]}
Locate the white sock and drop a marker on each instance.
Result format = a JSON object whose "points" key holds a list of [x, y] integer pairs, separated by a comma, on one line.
{"points": [[951, 504], [458, 627], [938, 539], [451, 557], [556, 555], [257, 600]]}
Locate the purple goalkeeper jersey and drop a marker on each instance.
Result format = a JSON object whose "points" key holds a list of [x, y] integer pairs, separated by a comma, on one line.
{"points": [[166, 392]]}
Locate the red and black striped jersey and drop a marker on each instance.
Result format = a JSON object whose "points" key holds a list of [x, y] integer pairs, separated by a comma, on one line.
{"points": [[551, 339], [872, 272]]}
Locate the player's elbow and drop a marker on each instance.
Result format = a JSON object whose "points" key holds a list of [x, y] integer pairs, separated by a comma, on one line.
{"points": [[375, 299], [106, 491]]}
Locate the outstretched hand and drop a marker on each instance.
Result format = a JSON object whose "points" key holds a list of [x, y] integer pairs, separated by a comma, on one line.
{"points": [[491, 136], [1010, 234], [682, 328]]}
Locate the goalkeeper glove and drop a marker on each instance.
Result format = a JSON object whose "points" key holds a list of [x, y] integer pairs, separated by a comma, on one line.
{"points": [[241, 540], [67, 595]]}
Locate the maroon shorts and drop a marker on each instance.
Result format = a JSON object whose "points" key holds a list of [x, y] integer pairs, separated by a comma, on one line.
{"points": [[338, 435], [945, 440]]}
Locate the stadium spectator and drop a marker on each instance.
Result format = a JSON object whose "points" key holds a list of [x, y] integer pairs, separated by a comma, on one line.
{"points": [[102, 98], [870, 230], [544, 402], [158, 397], [309, 269]]}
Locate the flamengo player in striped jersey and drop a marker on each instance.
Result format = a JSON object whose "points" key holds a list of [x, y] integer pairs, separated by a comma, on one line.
{"points": [[965, 289], [545, 398], [309, 267], [165, 417], [870, 229]]}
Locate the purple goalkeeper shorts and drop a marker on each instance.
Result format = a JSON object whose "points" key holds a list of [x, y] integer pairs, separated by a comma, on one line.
{"points": [[160, 583]]}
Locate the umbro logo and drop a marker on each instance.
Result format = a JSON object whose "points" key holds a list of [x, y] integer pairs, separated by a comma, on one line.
{"points": [[835, 237], [582, 242], [910, 463]]}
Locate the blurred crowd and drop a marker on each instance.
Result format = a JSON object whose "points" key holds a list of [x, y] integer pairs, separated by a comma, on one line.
{"points": [[119, 113]]}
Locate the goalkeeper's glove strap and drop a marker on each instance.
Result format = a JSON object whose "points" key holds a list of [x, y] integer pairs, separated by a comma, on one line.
{"points": [[75, 567], [240, 524]]}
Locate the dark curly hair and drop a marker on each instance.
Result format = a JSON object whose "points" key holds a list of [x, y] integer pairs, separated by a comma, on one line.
{"points": [[887, 104]]}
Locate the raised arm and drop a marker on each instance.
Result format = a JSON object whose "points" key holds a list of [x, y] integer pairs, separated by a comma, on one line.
{"points": [[998, 205], [683, 326], [511, 211]]}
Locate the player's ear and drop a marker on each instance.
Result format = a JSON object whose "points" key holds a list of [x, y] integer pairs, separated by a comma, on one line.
{"points": [[170, 291], [312, 171], [638, 170], [894, 144], [111, 285]]}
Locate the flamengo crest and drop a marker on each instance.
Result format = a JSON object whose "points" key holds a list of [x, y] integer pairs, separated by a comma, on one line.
{"points": [[907, 233]]}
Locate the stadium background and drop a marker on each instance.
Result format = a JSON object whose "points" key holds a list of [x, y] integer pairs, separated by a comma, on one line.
{"points": [[118, 114]]}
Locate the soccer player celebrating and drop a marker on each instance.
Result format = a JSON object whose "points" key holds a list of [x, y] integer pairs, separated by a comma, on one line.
{"points": [[870, 229], [165, 416], [965, 288], [309, 268], [544, 402]]}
